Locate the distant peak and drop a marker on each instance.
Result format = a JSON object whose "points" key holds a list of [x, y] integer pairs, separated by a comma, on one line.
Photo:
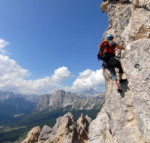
{"points": [[90, 91], [59, 91]]}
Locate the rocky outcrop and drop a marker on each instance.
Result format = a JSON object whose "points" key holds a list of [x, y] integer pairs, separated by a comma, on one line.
{"points": [[125, 118], [66, 130], [45, 133], [61, 99], [82, 127], [32, 136]]}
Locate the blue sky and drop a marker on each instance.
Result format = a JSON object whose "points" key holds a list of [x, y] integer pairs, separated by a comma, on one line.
{"points": [[47, 45]]}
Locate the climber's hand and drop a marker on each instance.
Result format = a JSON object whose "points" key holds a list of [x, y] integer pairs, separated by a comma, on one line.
{"points": [[120, 47]]}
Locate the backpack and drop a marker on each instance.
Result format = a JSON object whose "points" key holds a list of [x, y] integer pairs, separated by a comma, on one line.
{"points": [[105, 51]]}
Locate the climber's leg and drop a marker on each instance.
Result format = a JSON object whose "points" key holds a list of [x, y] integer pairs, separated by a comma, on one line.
{"points": [[113, 73], [116, 63], [116, 84], [114, 78]]}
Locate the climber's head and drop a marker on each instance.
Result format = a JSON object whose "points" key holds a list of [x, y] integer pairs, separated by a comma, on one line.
{"points": [[109, 37]]}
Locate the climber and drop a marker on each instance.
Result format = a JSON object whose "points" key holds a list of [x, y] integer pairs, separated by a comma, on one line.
{"points": [[110, 61]]}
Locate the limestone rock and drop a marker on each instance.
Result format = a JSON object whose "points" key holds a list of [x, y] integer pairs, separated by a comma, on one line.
{"points": [[63, 130], [138, 61], [82, 127], [44, 135], [33, 135], [66, 130], [142, 3], [125, 118], [138, 28]]}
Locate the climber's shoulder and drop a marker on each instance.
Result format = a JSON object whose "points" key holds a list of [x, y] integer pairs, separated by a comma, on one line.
{"points": [[112, 43]]}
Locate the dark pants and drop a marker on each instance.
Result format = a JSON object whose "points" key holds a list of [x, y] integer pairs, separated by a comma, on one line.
{"points": [[111, 64]]}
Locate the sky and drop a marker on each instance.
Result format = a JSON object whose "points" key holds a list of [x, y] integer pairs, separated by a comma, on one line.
{"points": [[50, 44]]}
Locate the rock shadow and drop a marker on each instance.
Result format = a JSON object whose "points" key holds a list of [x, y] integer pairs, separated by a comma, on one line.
{"points": [[124, 86]]}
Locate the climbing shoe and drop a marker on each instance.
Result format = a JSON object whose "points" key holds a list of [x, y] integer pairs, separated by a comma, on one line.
{"points": [[119, 90], [122, 80]]}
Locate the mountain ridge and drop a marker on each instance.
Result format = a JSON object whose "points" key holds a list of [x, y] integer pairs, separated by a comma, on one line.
{"points": [[62, 99]]}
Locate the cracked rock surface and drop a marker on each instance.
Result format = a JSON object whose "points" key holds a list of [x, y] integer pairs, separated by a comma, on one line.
{"points": [[126, 118]]}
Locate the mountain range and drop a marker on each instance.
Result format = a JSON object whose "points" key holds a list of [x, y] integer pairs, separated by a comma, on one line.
{"points": [[78, 101], [19, 113], [14, 106]]}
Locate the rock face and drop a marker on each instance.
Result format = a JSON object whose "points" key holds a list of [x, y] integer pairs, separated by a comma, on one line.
{"points": [[62, 99], [126, 118]]}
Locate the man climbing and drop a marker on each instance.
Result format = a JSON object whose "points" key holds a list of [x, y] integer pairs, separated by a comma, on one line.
{"points": [[107, 54]]}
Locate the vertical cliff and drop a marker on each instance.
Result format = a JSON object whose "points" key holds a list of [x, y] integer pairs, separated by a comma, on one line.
{"points": [[125, 118]]}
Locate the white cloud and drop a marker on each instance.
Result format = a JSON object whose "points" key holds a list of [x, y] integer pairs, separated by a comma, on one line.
{"points": [[12, 77], [46, 84], [89, 79], [61, 73], [9, 69], [3, 43]]}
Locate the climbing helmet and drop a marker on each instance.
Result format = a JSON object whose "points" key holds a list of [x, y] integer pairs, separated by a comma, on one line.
{"points": [[109, 36]]}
